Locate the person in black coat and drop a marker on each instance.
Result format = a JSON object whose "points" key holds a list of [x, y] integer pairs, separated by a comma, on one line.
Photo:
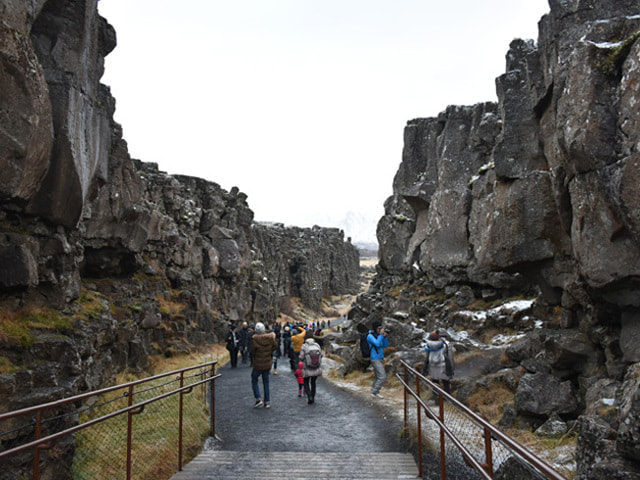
{"points": [[245, 338], [233, 342]]}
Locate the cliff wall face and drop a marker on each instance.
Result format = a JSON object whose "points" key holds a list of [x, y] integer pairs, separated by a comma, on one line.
{"points": [[132, 260], [537, 195], [542, 182]]}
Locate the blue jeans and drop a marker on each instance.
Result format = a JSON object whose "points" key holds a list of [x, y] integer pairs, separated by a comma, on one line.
{"points": [[265, 383]]}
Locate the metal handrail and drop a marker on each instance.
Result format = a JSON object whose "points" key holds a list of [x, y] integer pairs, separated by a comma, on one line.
{"points": [[43, 442], [491, 432]]}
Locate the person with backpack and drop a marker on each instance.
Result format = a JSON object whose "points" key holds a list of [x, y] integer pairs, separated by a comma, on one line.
{"points": [[311, 358], [439, 365], [377, 341]]}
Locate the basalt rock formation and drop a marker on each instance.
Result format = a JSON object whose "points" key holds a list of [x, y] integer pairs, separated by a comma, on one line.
{"points": [[538, 195], [105, 260]]}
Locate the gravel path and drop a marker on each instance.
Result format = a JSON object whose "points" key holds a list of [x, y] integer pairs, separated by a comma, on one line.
{"points": [[336, 422]]}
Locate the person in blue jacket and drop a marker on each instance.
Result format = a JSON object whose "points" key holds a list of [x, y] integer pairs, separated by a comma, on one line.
{"points": [[378, 341]]}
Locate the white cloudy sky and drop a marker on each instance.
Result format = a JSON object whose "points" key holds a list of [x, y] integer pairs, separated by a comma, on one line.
{"points": [[300, 103]]}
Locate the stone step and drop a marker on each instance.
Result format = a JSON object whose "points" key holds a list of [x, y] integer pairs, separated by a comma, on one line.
{"points": [[222, 464]]}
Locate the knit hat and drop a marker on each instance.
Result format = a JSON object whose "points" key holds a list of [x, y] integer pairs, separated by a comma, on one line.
{"points": [[260, 328], [308, 334], [434, 335], [375, 325]]}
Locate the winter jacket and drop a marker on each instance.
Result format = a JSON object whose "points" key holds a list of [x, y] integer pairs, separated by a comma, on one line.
{"points": [[262, 345], [377, 344], [245, 337], [298, 340], [310, 344], [232, 340], [298, 374], [439, 362]]}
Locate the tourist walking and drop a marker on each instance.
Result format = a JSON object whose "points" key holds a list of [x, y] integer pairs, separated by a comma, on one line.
{"points": [[276, 353], [378, 341], [245, 339], [299, 378], [232, 340], [296, 344], [311, 358], [263, 344], [439, 365]]}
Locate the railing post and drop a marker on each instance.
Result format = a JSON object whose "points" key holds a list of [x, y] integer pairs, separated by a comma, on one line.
{"points": [[36, 449], [418, 406], [129, 432], [488, 453], [213, 401], [181, 407], [443, 463], [404, 390]]}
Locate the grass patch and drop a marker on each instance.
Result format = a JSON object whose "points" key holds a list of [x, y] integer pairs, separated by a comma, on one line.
{"points": [[101, 448], [91, 305], [489, 401], [171, 307], [7, 366], [17, 327]]}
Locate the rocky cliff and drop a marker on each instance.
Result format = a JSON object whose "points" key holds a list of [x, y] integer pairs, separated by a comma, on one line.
{"points": [[537, 196], [103, 259]]}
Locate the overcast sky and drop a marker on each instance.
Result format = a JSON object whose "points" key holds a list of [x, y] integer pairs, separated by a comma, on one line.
{"points": [[301, 104]]}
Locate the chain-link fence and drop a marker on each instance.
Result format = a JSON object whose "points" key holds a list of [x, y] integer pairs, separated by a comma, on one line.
{"points": [[140, 430], [471, 447]]}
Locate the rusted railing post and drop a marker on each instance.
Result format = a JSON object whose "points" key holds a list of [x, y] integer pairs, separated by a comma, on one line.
{"points": [[488, 453], [404, 390], [36, 449], [213, 401], [129, 432], [419, 407], [181, 407], [443, 464]]}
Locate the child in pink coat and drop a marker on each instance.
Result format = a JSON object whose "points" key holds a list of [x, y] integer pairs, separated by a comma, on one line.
{"points": [[299, 377]]}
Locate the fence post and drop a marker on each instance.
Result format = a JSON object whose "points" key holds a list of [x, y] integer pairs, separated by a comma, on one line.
{"points": [[488, 452], [443, 463], [404, 390], [36, 450], [418, 406], [213, 401], [129, 432], [181, 407]]}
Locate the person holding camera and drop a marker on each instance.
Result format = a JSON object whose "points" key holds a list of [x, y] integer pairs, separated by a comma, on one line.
{"points": [[378, 341]]}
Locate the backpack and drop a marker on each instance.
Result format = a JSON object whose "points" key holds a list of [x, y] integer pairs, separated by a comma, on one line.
{"points": [[365, 348], [312, 357]]}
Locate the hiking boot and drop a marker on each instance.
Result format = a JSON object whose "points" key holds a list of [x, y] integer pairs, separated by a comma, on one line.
{"points": [[258, 404], [299, 395], [275, 372], [267, 405], [377, 395]]}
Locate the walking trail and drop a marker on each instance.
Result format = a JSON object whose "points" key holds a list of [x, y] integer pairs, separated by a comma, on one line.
{"points": [[338, 436]]}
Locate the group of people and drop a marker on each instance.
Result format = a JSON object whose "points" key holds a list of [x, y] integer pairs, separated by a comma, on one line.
{"points": [[261, 347], [303, 346], [438, 365]]}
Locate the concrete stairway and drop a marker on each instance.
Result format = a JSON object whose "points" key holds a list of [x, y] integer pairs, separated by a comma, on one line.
{"points": [[220, 464]]}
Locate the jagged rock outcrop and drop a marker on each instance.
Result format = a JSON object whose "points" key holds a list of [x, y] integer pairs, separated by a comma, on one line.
{"points": [[536, 195], [105, 260]]}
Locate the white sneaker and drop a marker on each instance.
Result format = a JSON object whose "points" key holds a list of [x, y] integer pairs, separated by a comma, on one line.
{"points": [[377, 395]]}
